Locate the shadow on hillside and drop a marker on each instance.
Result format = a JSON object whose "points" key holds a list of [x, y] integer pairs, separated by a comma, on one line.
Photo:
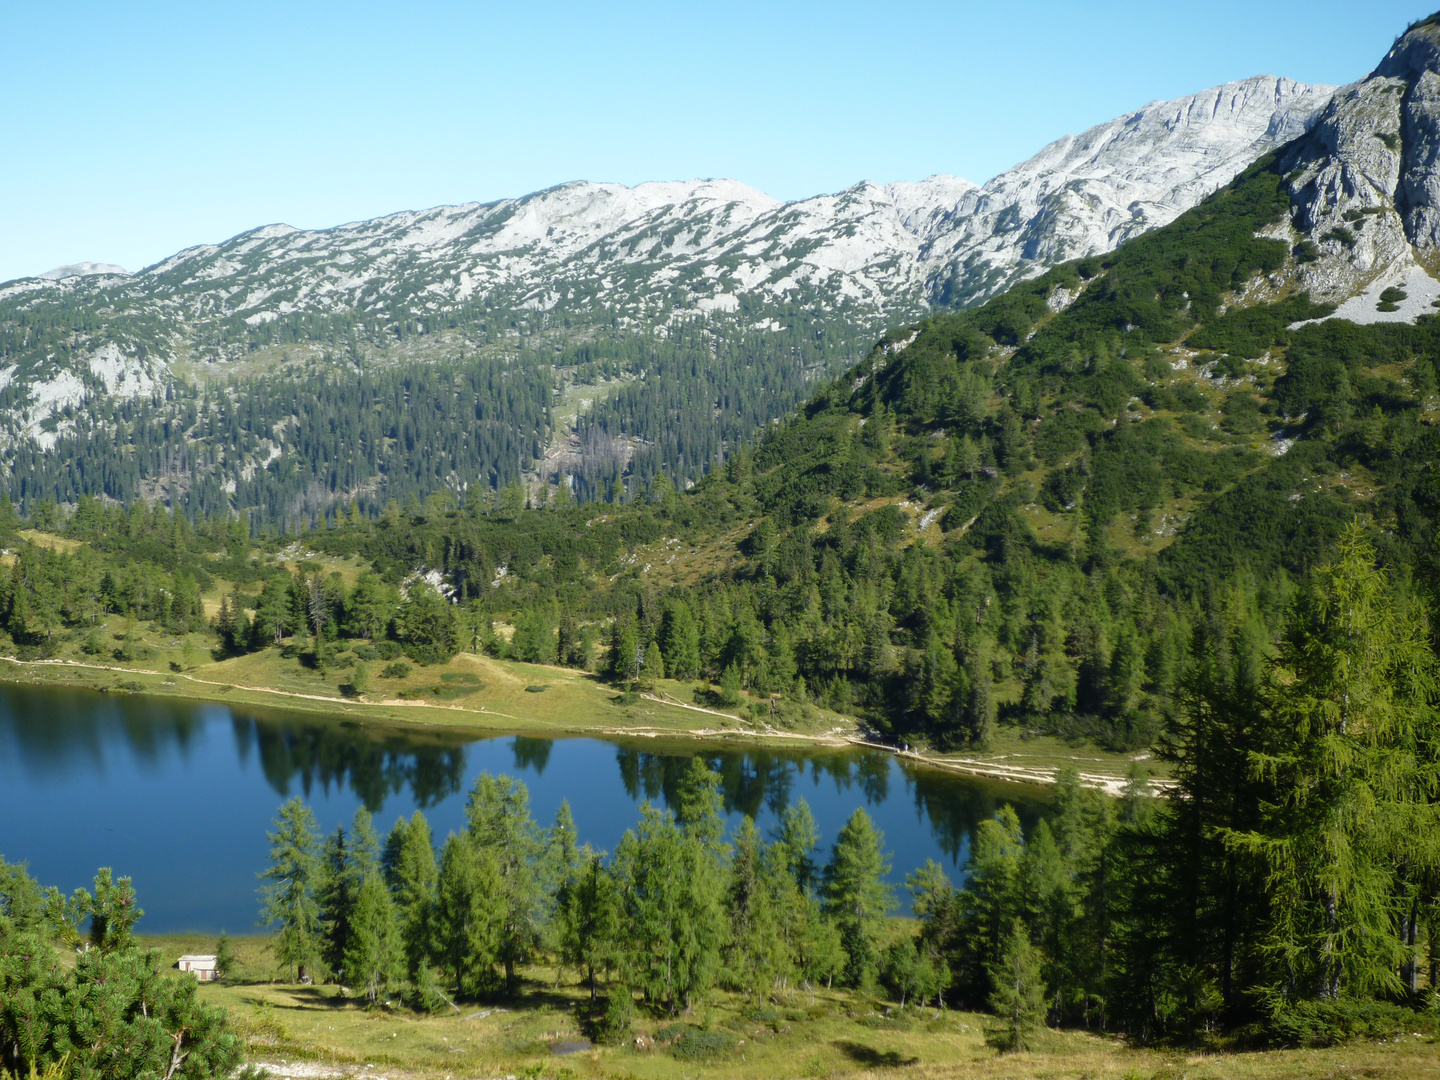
{"points": [[871, 1058]]}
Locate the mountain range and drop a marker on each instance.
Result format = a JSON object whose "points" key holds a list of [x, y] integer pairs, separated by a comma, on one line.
{"points": [[581, 260]]}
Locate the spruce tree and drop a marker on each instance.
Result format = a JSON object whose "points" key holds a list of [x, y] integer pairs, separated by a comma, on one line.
{"points": [[991, 900], [335, 895], [224, 957], [680, 640]]}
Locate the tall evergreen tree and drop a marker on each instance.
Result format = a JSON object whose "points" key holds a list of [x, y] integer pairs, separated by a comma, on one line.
{"points": [[757, 957], [289, 901], [1018, 997], [374, 957], [589, 919], [796, 840], [991, 901], [410, 872], [856, 895], [1349, 743], [501, 827], [469, 923]]}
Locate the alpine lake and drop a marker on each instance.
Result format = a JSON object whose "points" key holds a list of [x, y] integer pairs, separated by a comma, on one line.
{"points": [[179, 796]]}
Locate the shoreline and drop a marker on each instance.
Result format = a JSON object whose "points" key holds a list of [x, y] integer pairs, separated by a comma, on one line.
{"points": [[461, 719]]}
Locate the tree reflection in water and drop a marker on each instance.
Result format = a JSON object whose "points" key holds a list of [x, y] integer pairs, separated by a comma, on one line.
{"points": [[766, 779], [297, 757], [531, 753]]}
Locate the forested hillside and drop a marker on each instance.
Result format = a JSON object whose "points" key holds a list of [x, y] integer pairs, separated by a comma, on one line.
{"points": [[653, 328], [1034, 513], [330, 424]]}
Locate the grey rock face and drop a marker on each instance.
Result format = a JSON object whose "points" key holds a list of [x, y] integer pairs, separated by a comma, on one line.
{"points": [[1366, 182]]}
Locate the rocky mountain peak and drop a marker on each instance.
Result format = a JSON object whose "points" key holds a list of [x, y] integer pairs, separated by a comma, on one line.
{"points": [[1366, 186]]}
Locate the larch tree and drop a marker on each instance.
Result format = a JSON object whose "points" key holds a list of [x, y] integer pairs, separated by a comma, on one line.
{"points": [[1018, 997], [501, 826], [289, 902], [856, 895], [374, 956], [409, 867], [589, 920], [756, 951], [469, 921], [1348, 747]]}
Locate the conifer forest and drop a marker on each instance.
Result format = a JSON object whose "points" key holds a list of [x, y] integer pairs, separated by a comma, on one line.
{"points": [[1111, 506]]}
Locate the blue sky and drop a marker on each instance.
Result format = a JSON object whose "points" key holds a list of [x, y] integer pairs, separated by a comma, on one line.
{"points": [[132, 130]]}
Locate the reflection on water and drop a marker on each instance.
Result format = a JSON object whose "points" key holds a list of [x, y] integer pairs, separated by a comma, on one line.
{"points": [[180, 794], [757, 783], [299, 758], [531, 754]]}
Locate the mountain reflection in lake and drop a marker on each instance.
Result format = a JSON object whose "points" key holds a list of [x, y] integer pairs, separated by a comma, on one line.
{"points": [[180, 795]]}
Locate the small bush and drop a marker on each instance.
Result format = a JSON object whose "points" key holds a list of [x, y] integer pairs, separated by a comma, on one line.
{"points": [[397, 669], [468, 678], [1390, 299], [388, 650], [1232, 367], [1306, 251], [451, 691], [132, 651], [1342, 235], [366, 652], [703, 1045], [535, 689], [1326, 1023], [614, 1025]]}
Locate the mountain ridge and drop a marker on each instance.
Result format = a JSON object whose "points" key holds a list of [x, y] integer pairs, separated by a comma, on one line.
{"points": [[603, 271]]}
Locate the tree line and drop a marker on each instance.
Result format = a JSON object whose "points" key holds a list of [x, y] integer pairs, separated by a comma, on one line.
{"points": [[1289, 881]]}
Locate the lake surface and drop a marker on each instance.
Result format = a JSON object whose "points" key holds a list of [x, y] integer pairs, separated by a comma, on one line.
{"points": [[179, 795]]}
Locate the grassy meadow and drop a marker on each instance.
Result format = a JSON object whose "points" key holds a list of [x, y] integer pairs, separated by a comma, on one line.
{"points": [[320, 1031]]}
